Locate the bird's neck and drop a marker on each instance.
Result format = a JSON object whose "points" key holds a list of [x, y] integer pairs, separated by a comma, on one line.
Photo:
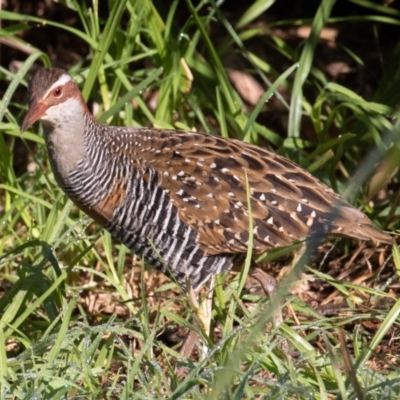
{"points": [[64, 134]]}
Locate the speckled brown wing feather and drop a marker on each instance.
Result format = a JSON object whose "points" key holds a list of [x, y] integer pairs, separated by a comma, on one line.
{"points": [[206, 180]]}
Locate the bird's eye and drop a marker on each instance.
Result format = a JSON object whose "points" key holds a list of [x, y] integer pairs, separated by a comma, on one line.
{"points": [[57, 92]]}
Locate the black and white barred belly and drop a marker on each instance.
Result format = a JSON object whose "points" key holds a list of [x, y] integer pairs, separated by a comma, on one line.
{"points": [[147, 222]]}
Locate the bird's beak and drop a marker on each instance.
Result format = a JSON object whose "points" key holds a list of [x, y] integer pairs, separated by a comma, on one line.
{"points": [[35, 112]]}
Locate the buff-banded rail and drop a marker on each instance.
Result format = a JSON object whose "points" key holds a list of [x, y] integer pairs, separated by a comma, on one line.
{"points": [[181, 199]]}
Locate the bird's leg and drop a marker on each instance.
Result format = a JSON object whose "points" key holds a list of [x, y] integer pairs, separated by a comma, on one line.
{"points": [[203, 311], [188, 344], [270, 285]]}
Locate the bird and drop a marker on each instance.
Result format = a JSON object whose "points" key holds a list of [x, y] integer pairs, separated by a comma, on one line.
{"points": [[184, 201]]}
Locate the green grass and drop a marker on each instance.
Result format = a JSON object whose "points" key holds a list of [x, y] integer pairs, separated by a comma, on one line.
{"points": [[52, 257]]}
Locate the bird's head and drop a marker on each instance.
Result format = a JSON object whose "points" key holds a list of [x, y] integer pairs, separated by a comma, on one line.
{"points": [[54, 98]]}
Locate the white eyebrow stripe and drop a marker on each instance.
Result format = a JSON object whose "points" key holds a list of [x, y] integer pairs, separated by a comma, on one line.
{"points": [[62, 80]]}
